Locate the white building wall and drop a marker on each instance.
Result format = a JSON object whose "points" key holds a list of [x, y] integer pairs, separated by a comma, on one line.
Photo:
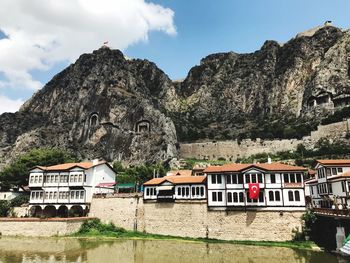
{"points": [[287, 202]]}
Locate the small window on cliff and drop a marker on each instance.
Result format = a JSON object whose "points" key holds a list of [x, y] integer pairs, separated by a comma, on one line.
{"points": [[143, 126], [93, 120]]}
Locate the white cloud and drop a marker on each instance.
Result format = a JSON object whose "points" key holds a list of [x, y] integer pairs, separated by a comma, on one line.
{"points": [[8, 105], [41, 33]]}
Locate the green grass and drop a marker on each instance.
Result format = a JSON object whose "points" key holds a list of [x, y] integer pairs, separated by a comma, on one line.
{"points": [[93, 228]]}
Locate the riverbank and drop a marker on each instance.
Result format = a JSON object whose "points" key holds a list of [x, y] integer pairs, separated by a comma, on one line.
{"points": [[94, 229]]}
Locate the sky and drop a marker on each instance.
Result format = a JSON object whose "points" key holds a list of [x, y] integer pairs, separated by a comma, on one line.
{"points": [[39, 38]]}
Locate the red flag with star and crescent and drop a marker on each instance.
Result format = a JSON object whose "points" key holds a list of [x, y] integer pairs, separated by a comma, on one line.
{"points": [[254, 190]]}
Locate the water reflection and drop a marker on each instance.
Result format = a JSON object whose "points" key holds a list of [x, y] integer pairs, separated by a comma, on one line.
{"points": [[40, 250]]}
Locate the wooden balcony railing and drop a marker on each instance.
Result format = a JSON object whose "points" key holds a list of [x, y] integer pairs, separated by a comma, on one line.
{"points": [[332, 212]]}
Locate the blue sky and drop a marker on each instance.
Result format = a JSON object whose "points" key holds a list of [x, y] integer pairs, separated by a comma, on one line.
{"points": [[202, 27]]}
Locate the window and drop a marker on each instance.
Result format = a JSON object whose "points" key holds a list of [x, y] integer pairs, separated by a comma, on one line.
{"points": [[187, 191], [197, 190], [247, 178], [312, 190], [298, 178], [330, 188], [241, 197], [297, 196], [235, 197], [193, 191], [273, 178], [41, 195], [235, 178], [328, 172], [240, 178], [340, 170], [31, 179], [253, 178], [214, 196], [260, 178], [292, 178], [343, 186], [277, 196], [285, 178], [56, 178], [334, 171], [220, 196], [271, 196], [72, 195], [229, 179], [76, 194], [82, 193], [183, 191], [216, 179], [179, 191], [54, 195], [80, 177], [147, 191], [290, 196], [202, 191], [261, 197], [32, 195], [229, 197]]}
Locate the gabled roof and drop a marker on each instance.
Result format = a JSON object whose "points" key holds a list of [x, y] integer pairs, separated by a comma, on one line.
{"points": [[179, 173], [238, 167], [177, 180], [69, 166], [345, 162]]}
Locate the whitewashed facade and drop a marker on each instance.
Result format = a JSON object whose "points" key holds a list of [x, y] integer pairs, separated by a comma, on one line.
{"points": [[331, 185], [281, 186], [171, 188], [69, 185]]}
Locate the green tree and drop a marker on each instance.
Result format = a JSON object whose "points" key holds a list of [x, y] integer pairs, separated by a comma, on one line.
{"points": [[16, 174]]}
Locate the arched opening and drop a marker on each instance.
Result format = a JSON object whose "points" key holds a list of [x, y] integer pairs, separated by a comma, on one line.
{"points": [[143, 126], [36, 211], [62, 211], [94, 120], [76, 211], [49, 211]]}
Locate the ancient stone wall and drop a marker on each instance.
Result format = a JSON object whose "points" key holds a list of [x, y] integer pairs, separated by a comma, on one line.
{"points": [[34, 227], [231, 150], [193, 219]]}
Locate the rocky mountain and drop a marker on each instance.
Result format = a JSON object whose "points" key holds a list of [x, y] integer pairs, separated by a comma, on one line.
{"points": [[105, 105]]}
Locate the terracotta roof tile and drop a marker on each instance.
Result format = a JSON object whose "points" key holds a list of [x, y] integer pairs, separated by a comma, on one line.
{"points": [[179, 173], [177, 180], [237, 167], [68, 166], [334, 162]]}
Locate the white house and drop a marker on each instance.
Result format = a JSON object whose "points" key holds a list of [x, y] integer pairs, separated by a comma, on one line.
{"points": [[68, 188], [175, 187], [331, 184], [281, 186]]}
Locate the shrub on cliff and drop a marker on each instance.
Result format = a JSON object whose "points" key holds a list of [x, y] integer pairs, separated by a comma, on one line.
{"points": [[96, 227], [4, 208]]}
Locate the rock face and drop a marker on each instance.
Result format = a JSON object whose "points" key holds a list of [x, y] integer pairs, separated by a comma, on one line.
{"points": [[101, 106], [107, 106], [228, 92]]}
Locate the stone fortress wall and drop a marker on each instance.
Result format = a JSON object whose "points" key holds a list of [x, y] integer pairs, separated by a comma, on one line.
{"points": [[232, 149], [193, 219]]}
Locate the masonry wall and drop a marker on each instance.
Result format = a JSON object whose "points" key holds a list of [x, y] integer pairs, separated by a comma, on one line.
{"points": [[232, 149], [192, 219], [33, 227]]}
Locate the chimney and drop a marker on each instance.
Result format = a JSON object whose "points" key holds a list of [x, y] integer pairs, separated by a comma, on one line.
{"points": [[269, 160]]}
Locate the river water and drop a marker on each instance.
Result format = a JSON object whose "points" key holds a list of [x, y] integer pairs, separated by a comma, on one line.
{"points": [[13, 250]]}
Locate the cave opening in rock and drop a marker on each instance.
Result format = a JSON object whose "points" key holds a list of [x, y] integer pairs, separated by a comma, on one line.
{"points": [[143, 126]]}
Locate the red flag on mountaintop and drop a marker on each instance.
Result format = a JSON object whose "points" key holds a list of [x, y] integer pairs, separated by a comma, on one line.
{"points": [[254, 190]]}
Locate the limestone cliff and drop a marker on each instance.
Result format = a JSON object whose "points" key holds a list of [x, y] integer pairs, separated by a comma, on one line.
{"points": [[101, 106], [105, 105]]}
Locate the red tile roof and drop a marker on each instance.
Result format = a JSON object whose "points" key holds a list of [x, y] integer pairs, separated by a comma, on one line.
{"points": [[68, 166], [179, 173], [335, 162], [342, 175], [177, 180], [238, 167]]}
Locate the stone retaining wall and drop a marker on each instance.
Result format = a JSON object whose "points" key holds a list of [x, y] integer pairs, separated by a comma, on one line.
{"points": [[232, 149], [35, 227], [193, 219]]}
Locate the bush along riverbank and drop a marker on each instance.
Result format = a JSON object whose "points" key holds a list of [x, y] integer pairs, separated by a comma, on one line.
{"points": [[94, 228]]}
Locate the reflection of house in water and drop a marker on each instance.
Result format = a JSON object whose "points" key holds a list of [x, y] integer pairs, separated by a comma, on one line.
{"points": [[143, 126]]}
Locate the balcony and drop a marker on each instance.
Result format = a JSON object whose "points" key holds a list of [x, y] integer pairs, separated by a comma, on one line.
{"points": [[336, 213]]}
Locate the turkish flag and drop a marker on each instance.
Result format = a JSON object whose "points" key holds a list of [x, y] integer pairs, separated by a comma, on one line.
{"points": [[254, 191]]}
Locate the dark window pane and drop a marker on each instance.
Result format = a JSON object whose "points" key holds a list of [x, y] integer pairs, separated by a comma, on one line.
{"points": [[240, 178], [228, 179], [241, 197], [253, 178], [273, 178], [229, 197], [271, 198], [213, 196], [297, 196], [202, 191], [220, 196], [235, 197], [261, 197], [193, 191], [290, 196], [247, 178], [277, 195], [213, 178], [286, 178], [219, 179]]}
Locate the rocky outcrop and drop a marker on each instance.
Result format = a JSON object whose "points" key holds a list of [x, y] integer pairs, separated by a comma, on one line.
{"points": [[105, 105], [101, 106]]}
